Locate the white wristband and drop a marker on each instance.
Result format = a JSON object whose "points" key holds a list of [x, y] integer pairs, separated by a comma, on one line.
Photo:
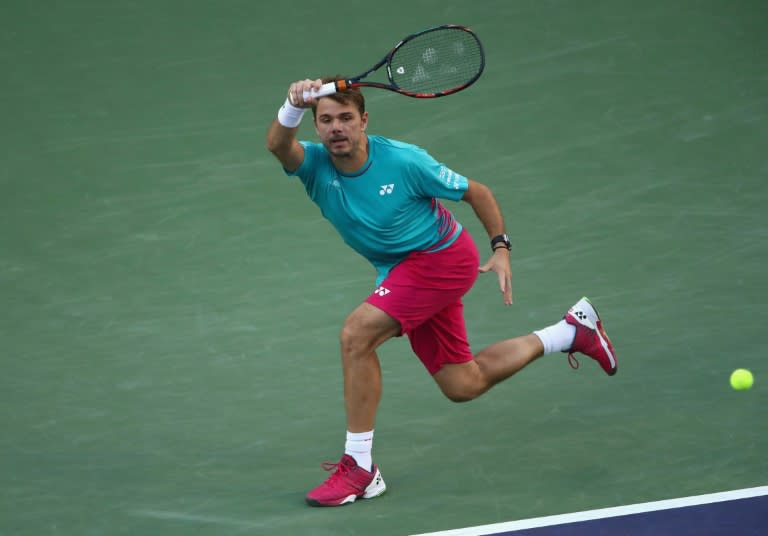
{"points": [[289, 115]]}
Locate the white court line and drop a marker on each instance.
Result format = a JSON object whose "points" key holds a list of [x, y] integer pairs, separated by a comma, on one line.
{"points": [[588, 515], [194, 518]]}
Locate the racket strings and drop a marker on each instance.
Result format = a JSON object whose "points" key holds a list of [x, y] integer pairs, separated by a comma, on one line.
{"points": [[437, 61]]}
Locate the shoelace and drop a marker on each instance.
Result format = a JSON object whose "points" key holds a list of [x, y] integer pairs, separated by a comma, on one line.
{"points": [[572, 361], [339, 470]]}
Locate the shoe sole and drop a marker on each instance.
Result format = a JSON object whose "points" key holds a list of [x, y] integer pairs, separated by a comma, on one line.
{"points": [[604, 339]]}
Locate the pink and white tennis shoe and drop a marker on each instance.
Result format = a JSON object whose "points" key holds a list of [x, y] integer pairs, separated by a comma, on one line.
{"points": [[591, 338], [347, 483]]}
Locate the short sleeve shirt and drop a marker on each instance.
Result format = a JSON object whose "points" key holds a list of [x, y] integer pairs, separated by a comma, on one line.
{"points": [[390, 206]]}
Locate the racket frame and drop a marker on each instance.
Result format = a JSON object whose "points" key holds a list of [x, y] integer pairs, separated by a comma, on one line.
{"points": [[344, 84]]}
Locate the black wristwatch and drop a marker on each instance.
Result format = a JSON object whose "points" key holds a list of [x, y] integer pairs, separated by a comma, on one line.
{"points": [[501, 239]]}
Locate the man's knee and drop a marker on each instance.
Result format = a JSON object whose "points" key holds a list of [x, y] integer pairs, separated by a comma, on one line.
{"points": [[353, 338], [461, 383], [460, 393], [365, 329]]}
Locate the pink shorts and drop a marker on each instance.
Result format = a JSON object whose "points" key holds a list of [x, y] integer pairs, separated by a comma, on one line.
{"points": [[423, 293]]}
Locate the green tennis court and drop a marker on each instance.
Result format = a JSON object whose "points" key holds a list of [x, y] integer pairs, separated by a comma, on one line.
{"points": [[171, 301]]}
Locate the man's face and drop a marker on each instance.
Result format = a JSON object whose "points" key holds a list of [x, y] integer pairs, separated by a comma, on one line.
{"points": [[341, 128]]}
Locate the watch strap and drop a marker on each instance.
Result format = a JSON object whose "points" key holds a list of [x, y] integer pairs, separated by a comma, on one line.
{"points": [[501, 239]]}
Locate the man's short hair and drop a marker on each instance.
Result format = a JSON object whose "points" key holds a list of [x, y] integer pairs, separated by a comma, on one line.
{"points": [[349, 96]]}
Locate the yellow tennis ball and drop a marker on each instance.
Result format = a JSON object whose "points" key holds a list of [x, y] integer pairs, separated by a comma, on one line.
{"points": [[741, 379]]}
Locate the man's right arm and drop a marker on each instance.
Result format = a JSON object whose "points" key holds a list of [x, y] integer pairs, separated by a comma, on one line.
{"points": [[281, 137], [282, 142]]}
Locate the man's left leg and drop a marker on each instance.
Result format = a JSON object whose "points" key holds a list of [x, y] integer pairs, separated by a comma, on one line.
{"points": [[581, 330], [462, 382]]}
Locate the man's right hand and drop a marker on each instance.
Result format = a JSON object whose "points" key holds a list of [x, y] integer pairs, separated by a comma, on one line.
{"points": [[297, 89]]}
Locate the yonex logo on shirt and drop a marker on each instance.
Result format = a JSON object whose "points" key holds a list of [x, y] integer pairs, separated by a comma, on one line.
{"points": [[381, 291], [450, 177], [386, 189]]}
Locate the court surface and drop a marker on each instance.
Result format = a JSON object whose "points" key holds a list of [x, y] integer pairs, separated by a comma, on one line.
{"points": [[171, 301]]}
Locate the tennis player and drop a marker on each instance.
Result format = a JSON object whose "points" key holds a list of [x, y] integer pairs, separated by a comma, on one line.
{"points": [[382, 196]]}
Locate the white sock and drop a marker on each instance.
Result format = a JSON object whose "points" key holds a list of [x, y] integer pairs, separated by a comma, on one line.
{"points": [[359, 446], [557, 337]]}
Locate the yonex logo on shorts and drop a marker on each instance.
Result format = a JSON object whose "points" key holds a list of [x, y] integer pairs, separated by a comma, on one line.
{"points": [[386, 189], [381, 291]]}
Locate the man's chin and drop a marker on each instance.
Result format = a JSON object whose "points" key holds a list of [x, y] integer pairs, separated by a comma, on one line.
{"points": [[340, 152]]}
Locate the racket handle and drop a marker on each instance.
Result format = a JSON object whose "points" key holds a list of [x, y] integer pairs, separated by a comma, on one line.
{"points": [[325, 89]]}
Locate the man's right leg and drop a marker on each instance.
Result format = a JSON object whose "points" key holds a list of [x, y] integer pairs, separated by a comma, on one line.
{"points": [[355, 476], [364, 331]]}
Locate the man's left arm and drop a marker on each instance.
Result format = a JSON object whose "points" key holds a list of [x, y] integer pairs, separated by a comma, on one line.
{"points": [[484, 203]]}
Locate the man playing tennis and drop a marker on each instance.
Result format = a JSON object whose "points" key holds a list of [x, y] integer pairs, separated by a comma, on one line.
{"points": [[382, 195]]}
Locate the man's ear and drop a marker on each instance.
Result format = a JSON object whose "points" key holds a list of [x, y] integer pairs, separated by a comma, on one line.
{"points": [[364, 120]]}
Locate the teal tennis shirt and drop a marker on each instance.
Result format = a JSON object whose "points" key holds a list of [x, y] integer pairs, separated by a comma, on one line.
{"points": [[389, 207]]}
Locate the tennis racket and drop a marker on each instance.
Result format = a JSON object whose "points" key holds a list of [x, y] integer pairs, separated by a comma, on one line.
{"points": [[431, 63]]}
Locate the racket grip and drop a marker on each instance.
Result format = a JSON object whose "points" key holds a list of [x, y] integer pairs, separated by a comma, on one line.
{"points": [[325, 89]]}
